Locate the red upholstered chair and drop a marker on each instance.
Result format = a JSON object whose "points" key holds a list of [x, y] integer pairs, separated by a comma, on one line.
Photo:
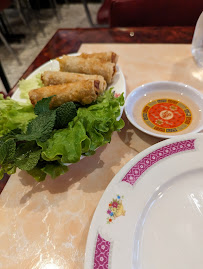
{"points": [[4, 4], [124, 13], [103, 12]]}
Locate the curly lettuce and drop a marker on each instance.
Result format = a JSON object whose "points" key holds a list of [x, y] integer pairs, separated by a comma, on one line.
{"points": [[14, 115], [25, 85]]}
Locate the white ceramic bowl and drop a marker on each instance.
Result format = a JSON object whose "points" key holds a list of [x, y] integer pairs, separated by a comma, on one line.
{"points": [[160, 88]]}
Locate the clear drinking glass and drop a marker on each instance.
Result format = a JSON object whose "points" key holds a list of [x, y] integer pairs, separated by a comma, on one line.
{"points": [[197, 42]]}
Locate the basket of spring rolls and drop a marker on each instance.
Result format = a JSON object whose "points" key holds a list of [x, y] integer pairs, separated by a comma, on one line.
{"points": [[62, 112]]}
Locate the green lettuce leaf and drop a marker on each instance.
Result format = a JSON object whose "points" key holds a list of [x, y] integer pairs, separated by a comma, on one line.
{"points": [[55, 169], [14, 115], [65, 144], [100, 119], [37, 173], [29, 84]]}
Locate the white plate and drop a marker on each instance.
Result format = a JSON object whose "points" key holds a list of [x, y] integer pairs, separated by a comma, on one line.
{"points": [[160, 222], [146, 93], [53, 65]]}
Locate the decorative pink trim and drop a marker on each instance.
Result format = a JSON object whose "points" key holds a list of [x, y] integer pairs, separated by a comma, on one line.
{"points": [[101, 256], [139, 168]]}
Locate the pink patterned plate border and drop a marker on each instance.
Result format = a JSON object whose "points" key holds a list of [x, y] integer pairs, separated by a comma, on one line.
{"points": [[102, 252], [145, 163], [102, 247]]}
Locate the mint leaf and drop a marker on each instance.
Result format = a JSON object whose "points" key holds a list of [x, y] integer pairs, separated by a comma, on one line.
{"points": [[7, 150], [42, 106], [8, 168], [40, 128], [27, 156], [11, 134], [64, 114]]}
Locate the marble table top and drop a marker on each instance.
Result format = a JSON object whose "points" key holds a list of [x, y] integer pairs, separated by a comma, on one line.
{"points": [[45, 225]]}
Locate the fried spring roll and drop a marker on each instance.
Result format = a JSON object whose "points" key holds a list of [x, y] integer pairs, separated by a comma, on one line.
{"points": [[90, 66], [84, 92], [57, 77], [103, 56]]}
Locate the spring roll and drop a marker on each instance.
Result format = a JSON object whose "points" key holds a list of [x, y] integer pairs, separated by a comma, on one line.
{"points": [[103, 56], [90, 66], [57, 77], [84, 92]]}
